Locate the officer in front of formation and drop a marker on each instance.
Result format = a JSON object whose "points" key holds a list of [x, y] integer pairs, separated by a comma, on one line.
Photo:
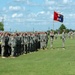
{"points": [[51, 38], [63, 38]]}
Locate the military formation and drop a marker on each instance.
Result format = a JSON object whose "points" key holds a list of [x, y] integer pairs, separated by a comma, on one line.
{"points": [[16, 44]]}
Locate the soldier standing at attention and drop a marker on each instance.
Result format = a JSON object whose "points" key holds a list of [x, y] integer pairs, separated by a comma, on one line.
{"points": [[12, 43], [3, 45], [25, 43], [63, 38], [51, 38], [6, 44], [22, 43]]}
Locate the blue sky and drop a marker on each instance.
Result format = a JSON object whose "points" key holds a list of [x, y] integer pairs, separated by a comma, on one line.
{"points": [[37, 15]]}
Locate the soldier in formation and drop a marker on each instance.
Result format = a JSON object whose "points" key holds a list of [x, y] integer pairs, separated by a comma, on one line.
{"points": [[15, 44]]}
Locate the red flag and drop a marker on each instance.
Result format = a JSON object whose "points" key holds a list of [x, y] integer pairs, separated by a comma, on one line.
{"points": [[58, 17]]}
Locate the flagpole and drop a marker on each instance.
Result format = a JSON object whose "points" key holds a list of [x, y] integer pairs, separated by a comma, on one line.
{"points": [[53, 20], [53, 24]]}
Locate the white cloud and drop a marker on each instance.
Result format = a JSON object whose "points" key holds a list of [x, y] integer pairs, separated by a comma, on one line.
{"points": [[65, 1], [42, 12], [70, 2], [20, 15], [28, 2], [51, 8], [49, 2], [14, 15], [32, 3], [17, 15], [72, 15], [32, 15], [4, 10], [0, 18], [19, 0], [41, 15], [16, 8]]}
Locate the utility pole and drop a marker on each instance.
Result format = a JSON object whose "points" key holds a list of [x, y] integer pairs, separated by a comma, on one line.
{"points": [[3, 19], [33, 29], [3, 22]]}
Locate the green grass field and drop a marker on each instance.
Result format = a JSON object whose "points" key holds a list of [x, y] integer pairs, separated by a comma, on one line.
{"points": [[44, 62]]}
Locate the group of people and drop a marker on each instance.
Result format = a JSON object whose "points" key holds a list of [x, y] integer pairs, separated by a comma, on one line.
{"points": [[52, 36], [63, 36], [18, 43], [15, 44]]}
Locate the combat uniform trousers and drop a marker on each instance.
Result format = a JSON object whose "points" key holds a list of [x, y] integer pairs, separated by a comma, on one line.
{"points": [[63, 42], [25, 44], [22, 44], [51, 41], [2, 51], [3, 46]]}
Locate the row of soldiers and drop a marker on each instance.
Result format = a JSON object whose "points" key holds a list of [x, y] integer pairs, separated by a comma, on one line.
{"points": [[15, 44]]}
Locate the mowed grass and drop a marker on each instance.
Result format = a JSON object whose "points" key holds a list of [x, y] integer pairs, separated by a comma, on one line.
{"points": [[55, 61]]}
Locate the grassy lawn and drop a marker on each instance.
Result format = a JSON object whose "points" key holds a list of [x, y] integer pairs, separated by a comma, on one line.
{"points": [[55, 61]]}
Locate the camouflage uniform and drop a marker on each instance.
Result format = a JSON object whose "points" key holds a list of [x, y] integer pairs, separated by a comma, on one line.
{"points": [[12, 43], [51, 38], [63, 38], [25, 43], [3, 45]]}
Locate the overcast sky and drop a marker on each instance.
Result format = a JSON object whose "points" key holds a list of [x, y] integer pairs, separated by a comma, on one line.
{"points": [[37, 15]]}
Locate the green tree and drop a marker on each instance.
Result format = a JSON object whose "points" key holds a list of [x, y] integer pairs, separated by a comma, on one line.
{"points": [[61, 28], [1, 26]]}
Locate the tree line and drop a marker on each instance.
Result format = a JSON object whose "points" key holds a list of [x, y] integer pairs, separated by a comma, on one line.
{"points": [[59, 30]]}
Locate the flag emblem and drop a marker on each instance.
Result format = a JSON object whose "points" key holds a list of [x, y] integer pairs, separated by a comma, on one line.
{"points": [[58, 17]]}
